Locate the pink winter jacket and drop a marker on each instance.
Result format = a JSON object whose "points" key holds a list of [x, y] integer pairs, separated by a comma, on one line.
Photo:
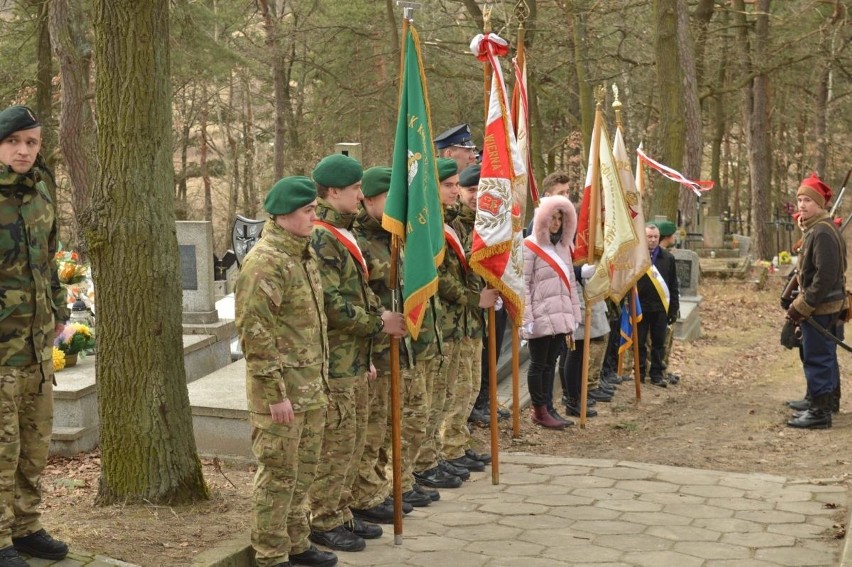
{"points": [[549, 306]]}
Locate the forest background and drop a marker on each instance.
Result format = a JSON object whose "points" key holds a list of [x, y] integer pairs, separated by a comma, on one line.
{"points": [[751, 94], [190, 109]]}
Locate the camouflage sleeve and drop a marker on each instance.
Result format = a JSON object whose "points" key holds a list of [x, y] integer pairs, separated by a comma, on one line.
{"points": [[342, 314], [451, 290], [257, 294], [57, 290]]}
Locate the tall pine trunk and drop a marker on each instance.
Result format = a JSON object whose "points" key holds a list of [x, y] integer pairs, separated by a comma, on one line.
{"points": [[147, 446]]}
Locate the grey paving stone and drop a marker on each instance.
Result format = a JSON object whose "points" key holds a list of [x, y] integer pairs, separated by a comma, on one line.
{"points": [[801, 531], [728, 525], [683, 533], [514, 508], [740, 503], [712, 491], [770, 516], [561, 538], [466, 518], [659, 558], [560, 500], [590, 554], [582, 482], [605, 493], [712, 550], [454, 558], [562, 470], [753, 483], [807, 508], [585, 513], [738, 563], [656, 519], [795, 556], [688, 477], [671, 498], [533, 522], [630, 505], [523, 478], [489, 532], [760, 540], [506, 548], [698, 511], [637, 542], [624, 473], [647, 486], [607, 527], [431, 542]]}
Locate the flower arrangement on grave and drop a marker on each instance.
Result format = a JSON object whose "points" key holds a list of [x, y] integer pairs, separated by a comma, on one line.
{"points": [[58, 359], [69, 268], [784, 257], [75, 338]]}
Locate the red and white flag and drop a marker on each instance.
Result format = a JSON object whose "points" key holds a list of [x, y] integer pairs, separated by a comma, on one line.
{"points": [[697, 186], [581, 253], [521, 116], [497, 249]]}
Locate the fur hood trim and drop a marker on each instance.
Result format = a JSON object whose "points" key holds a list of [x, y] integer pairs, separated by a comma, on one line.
{"points": [[541, 221]]}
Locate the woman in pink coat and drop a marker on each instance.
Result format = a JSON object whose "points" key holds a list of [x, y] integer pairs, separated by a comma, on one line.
{"points": [[552, 309]]}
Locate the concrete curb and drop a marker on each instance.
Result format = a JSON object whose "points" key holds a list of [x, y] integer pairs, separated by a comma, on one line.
{"points": [[236, 552], [846, 556]]}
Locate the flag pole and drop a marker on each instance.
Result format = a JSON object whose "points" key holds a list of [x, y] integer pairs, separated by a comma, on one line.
{"points": [[634, 292], [396, 410], [590, 258]]}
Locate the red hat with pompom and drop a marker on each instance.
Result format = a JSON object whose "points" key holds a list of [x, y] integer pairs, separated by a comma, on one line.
{"points": [[814, 188]]}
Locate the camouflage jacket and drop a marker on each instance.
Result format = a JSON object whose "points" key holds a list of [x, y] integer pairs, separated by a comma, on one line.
{"points": [[457, 298], [31, 298], [352, 309], [282, 326], [464, 228], [430, 340], [375, 242]]}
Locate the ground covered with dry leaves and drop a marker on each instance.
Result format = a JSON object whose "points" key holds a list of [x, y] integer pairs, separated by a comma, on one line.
{"points": [[726, 414]]}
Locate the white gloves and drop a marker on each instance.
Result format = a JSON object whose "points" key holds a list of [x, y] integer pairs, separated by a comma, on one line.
{"points": [[587, 271]]}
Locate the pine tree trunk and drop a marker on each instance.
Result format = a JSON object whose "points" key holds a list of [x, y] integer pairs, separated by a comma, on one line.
{"points": [[147, 447], [672, 126]]}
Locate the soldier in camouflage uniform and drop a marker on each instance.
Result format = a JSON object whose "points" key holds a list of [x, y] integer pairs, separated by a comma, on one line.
{"points": [[33, 310], [372, 486], [463, 298], [286, 373], [355, 318]]}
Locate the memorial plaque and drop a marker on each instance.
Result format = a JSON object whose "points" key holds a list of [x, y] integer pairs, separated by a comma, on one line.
{"points": [[188, 267], [684, 273], [687, 268]]}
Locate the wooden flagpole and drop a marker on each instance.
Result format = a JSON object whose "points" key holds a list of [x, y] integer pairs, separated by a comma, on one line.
{"points": [[590, 258], [633, 294], [396, 410]]}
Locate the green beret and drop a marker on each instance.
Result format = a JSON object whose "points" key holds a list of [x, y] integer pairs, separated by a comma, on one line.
{"points": [[16, 118], [376, 181], [338, 170], [667, 228], [469, 177], [289, 194], [447, 168]]}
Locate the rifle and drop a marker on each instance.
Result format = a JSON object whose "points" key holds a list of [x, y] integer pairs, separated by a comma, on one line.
{"points": [[840, 195]]}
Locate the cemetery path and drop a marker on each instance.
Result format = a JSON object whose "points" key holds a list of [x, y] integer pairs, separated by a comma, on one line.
{"points": [[726, 414]]}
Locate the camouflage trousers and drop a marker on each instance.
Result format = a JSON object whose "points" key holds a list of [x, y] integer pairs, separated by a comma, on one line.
{"points": [[342, 445], [26, 414], [461, 392], [287, 465], [371, 484], [436, 395]]}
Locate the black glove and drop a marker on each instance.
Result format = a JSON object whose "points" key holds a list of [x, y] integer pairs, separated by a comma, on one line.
{"points": [[672, 319], [786, 302]]}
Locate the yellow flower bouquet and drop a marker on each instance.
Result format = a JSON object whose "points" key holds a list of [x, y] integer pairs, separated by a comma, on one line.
{"points": [[76, 337]]}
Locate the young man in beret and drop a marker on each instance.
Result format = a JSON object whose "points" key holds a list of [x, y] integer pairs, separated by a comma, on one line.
{"points": [[821, 301], [355, 318], [286, 373], [34, 312], [372, 484]]}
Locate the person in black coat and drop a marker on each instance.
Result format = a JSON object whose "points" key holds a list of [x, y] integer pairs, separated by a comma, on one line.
{"points": [[658, 295]]}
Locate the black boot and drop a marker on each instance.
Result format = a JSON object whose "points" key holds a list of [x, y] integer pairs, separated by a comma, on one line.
{"points": [[40, 544], [800, 405], [817, 417], [572, 407], [9, 557], [314, 557]]}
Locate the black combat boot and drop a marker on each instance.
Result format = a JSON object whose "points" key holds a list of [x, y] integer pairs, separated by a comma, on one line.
{"points": [[40, 544], [800, 405], [9, 557], [817, 417], [572, 407], [313, 557]]}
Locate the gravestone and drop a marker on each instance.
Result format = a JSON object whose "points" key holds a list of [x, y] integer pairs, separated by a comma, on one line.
{"points": [[714, 232], [195, 243], [744, 244], [688, 325]]}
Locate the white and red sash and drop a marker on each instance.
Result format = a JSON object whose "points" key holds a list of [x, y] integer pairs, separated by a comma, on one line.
{"points": [[553, 260], [453, 240], [347, 239]]}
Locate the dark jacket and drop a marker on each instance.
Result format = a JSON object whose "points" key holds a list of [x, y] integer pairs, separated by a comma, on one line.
{"points": [[648, 296], [821, 267]]}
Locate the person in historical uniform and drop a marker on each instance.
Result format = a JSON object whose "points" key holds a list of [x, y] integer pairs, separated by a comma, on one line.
{"points": [[286, 373], [372, 484], [457, 144], [821, 302], [355, 318], [33, 310]]}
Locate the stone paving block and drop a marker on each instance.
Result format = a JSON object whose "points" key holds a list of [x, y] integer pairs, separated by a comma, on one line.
{"points": [[824, 521], [658, 558], [688, 477], [505, 548], [807, 508], [587, 554], [475, 486], [383, 555], [801, 531], [795, 556], [428, 542], [490, 532], [727, 525], [466, 518], [605, 493], [817, 487], [656, 519], [712, 550], [738, 563], [582, 482], [484, 498], [560, 500], [585, 513], [780, 495], [671, 498], [698, 511], [637, 542], [454, 558], [607, 527], [561, 470], [683, 533], [514, 508], [630, 506], [753, 483], [524, 478], [563, 538], [533, 522], [740, 503], [841, 500], [712, 491], [594, 463], [624, 473], [521, 458], [646, 486], [757, 540], [513, 562], [770, 516]]}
